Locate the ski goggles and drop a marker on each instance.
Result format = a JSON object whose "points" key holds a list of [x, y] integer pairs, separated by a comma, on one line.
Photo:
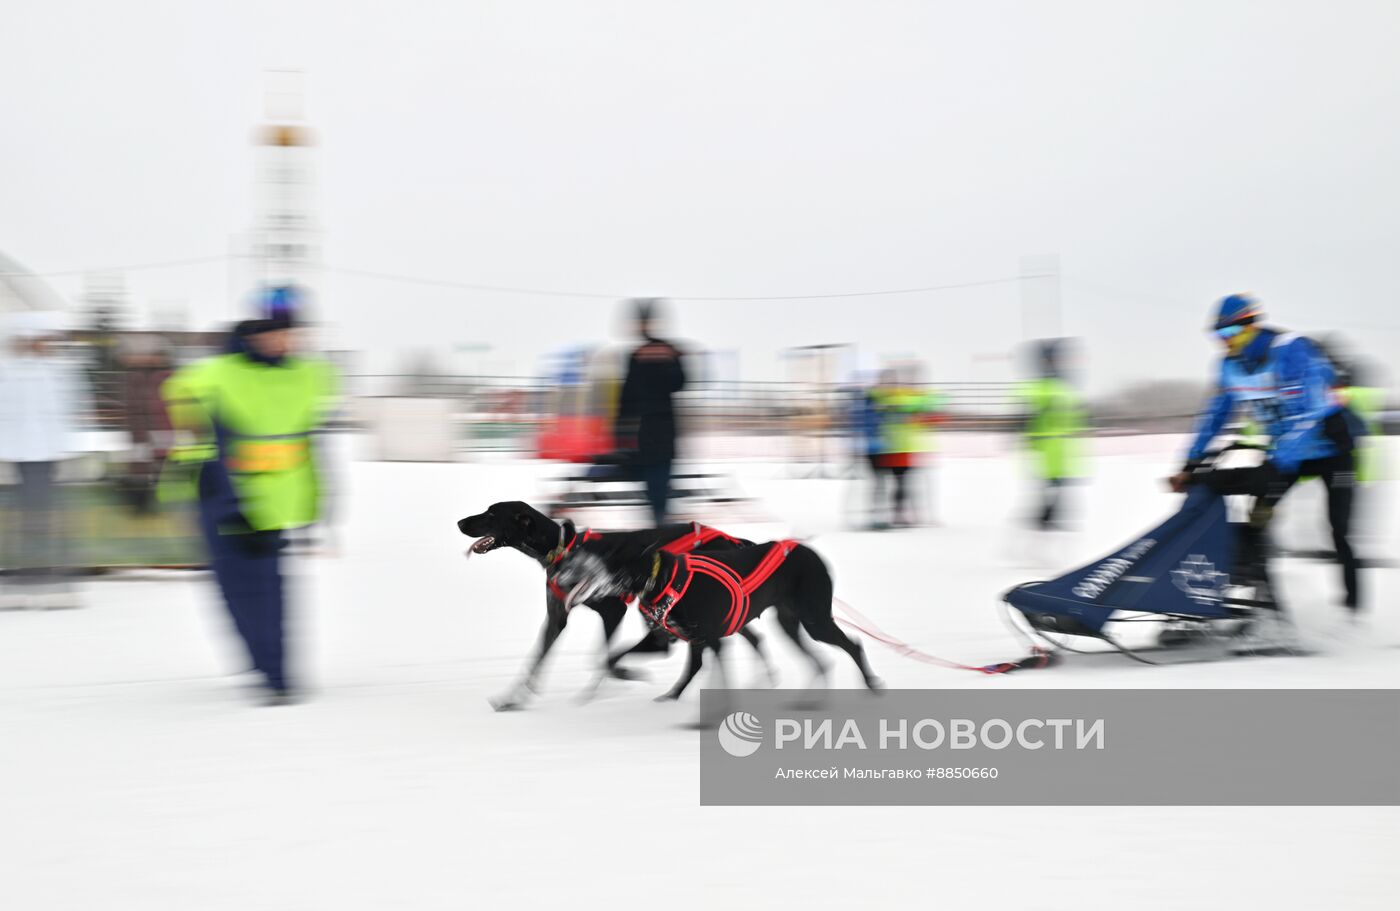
{"points": [[1229, 331]]}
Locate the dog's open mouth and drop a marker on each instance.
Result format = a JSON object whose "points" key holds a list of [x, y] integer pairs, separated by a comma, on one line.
{"points": [[483, 545]]}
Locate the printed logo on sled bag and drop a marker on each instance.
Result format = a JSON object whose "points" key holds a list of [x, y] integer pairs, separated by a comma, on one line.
{"points": [[1199, 579], [741, 734], [1109, 571]]}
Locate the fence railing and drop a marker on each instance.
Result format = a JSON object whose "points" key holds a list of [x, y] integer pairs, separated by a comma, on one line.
{"points": [[505, 413]]}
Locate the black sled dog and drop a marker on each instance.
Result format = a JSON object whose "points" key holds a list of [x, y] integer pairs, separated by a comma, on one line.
{"points": [[555, 545], [705, 597]]}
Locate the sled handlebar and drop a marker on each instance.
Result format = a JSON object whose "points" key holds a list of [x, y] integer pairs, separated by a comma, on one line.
{"points": [[1205, 471]]}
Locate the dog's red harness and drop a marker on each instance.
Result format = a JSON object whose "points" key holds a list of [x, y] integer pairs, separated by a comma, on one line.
{"points": [[565, 548], [557, 555], [687, 565], [698, 536]]}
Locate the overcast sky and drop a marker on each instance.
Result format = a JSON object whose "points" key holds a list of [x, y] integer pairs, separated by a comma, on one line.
{"points": [[1168, 153]]}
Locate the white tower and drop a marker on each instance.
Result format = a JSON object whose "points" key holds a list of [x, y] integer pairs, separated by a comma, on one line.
{"points": [[286, 236]]}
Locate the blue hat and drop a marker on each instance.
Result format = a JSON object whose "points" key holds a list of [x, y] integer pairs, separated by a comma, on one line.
{"points": [[279, 305], [1238, 309]]}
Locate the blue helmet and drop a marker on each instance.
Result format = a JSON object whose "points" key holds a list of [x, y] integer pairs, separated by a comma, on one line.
{"points": [[1237, 310]]}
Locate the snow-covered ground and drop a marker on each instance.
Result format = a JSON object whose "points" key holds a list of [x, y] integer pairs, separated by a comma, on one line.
{"points": [[135, 775]]}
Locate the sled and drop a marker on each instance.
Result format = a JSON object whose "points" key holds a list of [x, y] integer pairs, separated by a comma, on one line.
{"points": [[1185, 575]]}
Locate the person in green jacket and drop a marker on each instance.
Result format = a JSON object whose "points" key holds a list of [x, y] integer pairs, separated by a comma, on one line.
{"points": [[1366, 402], [246, 419], [1054, 423], [905, 416]]}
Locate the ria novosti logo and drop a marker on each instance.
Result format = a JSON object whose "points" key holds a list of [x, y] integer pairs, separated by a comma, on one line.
{"points": [[741, 734]]}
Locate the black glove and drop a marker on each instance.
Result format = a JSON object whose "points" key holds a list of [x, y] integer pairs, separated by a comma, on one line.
{"points": [[1185, 477]]}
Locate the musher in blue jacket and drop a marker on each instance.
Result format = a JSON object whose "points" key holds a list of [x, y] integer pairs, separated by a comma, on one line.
{"points": [[1286, 383]]}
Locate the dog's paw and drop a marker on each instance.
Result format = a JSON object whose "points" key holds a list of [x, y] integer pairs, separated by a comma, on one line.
{"points": [[624, 673], [586, 694], [667, 697], [506, 703]]}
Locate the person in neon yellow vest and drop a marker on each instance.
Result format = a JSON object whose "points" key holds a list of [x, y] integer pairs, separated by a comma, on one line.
{"points": [[905, 418], [1055, 421], [1357, 392], [1366, 402], [246, 419]]}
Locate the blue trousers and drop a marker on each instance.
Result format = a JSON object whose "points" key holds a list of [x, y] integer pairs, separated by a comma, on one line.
{"points": [[657, 479], [248, 570]]}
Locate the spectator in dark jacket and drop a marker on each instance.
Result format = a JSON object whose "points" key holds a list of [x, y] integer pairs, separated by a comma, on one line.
{"points": [[145, 361], [646, 412]]}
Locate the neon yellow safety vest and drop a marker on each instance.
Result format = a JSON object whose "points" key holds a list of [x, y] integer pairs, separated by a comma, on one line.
{"points": [[1366, 403], [1056, 424], [266, 416], [902, 413]]}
